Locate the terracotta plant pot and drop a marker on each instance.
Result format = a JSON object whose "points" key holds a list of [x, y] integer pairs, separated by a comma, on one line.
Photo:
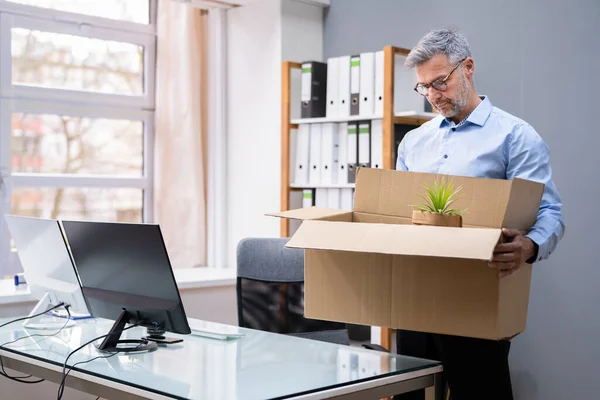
{"points": [[435, 219]]}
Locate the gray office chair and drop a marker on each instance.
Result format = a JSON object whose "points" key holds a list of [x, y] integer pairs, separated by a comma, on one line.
{"points": [[270, 292]]}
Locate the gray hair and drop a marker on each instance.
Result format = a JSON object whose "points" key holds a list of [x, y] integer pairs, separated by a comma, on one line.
{"points": [[442, 41]]}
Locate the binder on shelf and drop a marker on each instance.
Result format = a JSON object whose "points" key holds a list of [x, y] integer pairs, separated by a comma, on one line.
{"points": [[352, 153], [355, 85], [342, 133], [333, 198], [314, 89], [321, 197], [405, 98], [333, 83], [314, 175], [293, 154], [364, 144], [377, 143], [329, 154], [379, 80], [302, 165], [344, 87], [367, 84], [347, 199], [308, 198]]}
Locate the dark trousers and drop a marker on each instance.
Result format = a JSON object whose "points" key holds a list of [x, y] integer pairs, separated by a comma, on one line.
{"points": [[474, 369]]}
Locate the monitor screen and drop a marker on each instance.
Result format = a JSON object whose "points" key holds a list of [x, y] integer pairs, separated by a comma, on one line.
{"points": [[126, 266]]}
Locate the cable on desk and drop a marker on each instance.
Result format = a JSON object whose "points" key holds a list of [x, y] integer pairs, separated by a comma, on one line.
{"points": [[21, 379], [32, 316], [61, 387]]}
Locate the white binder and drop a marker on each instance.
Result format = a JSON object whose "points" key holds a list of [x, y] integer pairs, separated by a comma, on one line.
{"points": [[379, 74], [302, 155], [405, 98], [367, 84], [364, 144], [344, 87], [307, 198], [333, 198], [342, 132], [355, 85], [377, 143], [333, 83], [321, 197], [347, 199], [306, 86], [329, 154], [314, 175]]}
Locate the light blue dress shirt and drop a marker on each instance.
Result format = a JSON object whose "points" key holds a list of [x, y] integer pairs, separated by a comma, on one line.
{"points": [[489, 143]]}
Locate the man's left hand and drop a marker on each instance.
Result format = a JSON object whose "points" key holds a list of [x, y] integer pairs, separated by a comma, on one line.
{"points": [[508, 256]]}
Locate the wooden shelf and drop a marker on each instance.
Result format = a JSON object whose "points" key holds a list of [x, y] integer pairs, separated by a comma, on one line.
{"points": [[331, 186], [335, 119], [404, 117], [413, 117]]}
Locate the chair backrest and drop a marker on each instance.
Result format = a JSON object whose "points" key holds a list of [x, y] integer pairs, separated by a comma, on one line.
{"points": [[270, 288]]}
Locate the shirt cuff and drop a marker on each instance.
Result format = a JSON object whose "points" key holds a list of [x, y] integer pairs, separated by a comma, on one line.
{"points": [[540, 242]]}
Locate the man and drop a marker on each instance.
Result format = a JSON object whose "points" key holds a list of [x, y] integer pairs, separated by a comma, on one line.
{"points": [[473, 138]]}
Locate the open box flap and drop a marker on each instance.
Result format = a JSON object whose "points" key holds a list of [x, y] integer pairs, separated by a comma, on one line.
{"points": [[431, 241], [315, 213]]}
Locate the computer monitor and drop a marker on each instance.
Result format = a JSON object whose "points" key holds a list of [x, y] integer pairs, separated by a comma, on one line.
{"points": [[126, 276], [48, 269]]}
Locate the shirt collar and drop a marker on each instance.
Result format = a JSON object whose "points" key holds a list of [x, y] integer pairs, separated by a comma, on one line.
{"points": [[478, 116]]}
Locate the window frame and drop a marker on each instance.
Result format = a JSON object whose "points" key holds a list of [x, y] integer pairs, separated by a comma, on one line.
{"points": [[41, 100], [12, 90], [76, 18]]}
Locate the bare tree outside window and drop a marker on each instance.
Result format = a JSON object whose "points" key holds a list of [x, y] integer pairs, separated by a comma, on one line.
{"points": [[64, 144]]}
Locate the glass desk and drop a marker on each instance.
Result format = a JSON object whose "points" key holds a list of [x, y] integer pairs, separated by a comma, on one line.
{"points": [[258, 365]]}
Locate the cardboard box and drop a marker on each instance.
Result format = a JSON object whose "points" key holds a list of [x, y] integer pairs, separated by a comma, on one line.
{"points": [[373, 267]]}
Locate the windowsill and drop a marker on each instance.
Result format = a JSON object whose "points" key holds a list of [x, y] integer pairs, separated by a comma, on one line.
{"points": [[201, 277], [187, 279]]}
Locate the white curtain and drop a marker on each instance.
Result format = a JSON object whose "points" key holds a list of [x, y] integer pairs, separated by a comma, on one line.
{"points": [[180, 126]]}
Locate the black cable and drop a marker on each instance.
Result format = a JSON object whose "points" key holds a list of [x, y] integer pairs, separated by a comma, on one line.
{"points": [[87, 361], [21, 378], [61, 387], [31, 316]]}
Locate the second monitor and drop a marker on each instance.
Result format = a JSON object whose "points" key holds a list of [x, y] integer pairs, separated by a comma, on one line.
{"points": [[126, 275]]}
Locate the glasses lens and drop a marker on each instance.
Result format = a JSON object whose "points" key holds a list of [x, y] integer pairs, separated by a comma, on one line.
{"points": [[439, 85], [420, 89]]}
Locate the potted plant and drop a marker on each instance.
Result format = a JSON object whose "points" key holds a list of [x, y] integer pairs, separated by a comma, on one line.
{"points": [[437, 207]]}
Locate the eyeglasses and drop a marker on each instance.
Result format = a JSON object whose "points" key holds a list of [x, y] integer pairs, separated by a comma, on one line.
{"points": [[440, 85]]}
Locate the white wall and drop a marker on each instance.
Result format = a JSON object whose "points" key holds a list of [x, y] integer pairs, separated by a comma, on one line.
{"points": [[260, 37], [216, 304]]}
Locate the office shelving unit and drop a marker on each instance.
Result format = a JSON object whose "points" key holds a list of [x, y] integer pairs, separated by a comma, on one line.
{"points": [[408, 117]]}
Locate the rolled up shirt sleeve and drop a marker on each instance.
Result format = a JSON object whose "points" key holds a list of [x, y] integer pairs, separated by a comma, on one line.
{"points": [[528, 157]]}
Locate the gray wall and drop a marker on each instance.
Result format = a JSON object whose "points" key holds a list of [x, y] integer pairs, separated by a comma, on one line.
{"points": [[537, 59]]}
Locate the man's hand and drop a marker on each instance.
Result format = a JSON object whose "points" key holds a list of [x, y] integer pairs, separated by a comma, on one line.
{"points": [[509, 256]]}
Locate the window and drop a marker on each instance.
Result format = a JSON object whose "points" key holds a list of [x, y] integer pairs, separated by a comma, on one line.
{"points": [[76, 111]]}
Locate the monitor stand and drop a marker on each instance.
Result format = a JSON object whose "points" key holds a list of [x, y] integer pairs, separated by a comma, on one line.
{"points": [[111, 342], [46, 321]]}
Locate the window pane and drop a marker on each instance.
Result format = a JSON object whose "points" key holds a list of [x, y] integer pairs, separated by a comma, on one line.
{"points": [[120, 205], [60, 144], [62, 61], [125, 10]]}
